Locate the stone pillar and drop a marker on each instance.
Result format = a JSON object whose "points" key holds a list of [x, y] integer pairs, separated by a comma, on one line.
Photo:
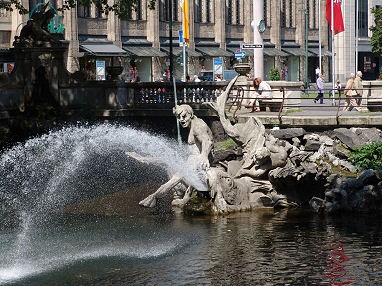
{"points": [[300, 33], [220, 31], [193, 62], [247, 22], [275, 31], [18, 21], [71, 35], [114, 27], [152, 34], [324, 41]]}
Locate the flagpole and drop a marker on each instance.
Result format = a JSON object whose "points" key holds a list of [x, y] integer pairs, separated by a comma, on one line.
{"points": [[184, 47], [319, 36], [333, 51], [356, 35]]}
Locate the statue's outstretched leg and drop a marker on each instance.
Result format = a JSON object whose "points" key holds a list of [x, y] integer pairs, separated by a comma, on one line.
{"points": [[151, 200]]}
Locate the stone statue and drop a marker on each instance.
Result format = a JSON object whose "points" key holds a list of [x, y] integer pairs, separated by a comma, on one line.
{"points": [[200, 142], [35, 33], [268, 172]]}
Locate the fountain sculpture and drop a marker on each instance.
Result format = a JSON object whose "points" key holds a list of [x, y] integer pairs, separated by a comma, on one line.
{"points": [[266, 172]]}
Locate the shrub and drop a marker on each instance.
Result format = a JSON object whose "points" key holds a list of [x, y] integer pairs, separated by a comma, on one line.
{"points": [[274, 74], [367, 157]]}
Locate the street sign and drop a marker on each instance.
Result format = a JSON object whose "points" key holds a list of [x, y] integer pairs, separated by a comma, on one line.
{"points": [[218, 66], [218, 61], [239, 55], [100, 70], [180, 33], [251, 46]]}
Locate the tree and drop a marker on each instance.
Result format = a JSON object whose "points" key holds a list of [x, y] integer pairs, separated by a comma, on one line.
{"points": [[120, 7], [376, 38]]}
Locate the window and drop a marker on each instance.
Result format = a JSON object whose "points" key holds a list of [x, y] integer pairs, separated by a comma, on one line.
{"points": [[208, 11], [229, 12], [238, 18], [198, 11], [266, 19], [283, 15], [363, 23], [83, 11], [163, 11], [98, 13]]}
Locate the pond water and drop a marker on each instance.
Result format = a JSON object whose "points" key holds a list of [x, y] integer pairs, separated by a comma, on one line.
{"points": [[293, 247], [69, 215]]}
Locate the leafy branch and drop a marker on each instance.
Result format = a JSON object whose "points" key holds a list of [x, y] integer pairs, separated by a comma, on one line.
{"points": [[120, 7]]}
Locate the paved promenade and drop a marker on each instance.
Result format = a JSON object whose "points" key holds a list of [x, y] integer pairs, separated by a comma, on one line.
{"points": [[316, 115]]}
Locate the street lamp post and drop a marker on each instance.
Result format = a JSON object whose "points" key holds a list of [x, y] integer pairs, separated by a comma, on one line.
{"points": [[306, 47], [258, 53], [171, 67]]}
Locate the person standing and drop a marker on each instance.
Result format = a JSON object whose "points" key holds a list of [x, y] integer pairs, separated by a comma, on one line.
{"points": [[337, 86], [318, 71], [358, 87], [350, 93], [320, 88]]}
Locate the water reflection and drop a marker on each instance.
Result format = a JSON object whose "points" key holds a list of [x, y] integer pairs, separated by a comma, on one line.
{"points": [[263, 248]]}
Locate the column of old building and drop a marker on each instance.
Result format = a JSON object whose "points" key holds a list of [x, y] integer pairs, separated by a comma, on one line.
{"points": [[152, 34], [275, 31], [247, 32], [114, 27], [18, 21], [300, 33], [71, 35], [324, 41], [193, 67], [220, 30]]}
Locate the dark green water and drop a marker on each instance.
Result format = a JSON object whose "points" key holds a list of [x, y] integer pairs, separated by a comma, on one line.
{"points": [[292, 247]]}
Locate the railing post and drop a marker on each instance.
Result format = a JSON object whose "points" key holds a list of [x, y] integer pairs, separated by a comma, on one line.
{"points": [[338, 106], [282, 89]]}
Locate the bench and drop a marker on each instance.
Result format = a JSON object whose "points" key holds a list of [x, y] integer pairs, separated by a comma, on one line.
{"points": [[271, 104]]}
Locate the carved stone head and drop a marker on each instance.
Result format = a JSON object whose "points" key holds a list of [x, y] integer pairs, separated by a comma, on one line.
{"points": [[184, 113]]}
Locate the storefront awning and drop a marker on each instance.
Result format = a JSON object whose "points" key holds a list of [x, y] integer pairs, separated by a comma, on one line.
{"points": [[269, 52], [273, 52], [144, 51], [179, 50], [316, 52], [298, 52], [214, 52], [103, 50]]}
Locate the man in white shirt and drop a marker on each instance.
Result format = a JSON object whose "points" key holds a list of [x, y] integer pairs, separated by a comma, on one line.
{"points": [[262, 91]]}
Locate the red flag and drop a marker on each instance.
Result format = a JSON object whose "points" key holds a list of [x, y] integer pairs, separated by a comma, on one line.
{"points": [[338, 20]]}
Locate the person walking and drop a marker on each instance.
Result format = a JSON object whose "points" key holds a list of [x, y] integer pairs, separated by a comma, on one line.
{"points": [[350, 101], [320, 87], [358, 87]]}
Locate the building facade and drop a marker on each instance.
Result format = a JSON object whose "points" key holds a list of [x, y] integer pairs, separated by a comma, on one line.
{"points": [[294, 30]]}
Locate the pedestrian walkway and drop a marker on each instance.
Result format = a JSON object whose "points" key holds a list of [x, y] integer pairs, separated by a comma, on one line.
{"points": [[313, 114]]}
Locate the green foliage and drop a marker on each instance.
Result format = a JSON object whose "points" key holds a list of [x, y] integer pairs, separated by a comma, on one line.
{"points": [[225, 145], [376, 38], [122, 8], [274, 74], [367, 157]]}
